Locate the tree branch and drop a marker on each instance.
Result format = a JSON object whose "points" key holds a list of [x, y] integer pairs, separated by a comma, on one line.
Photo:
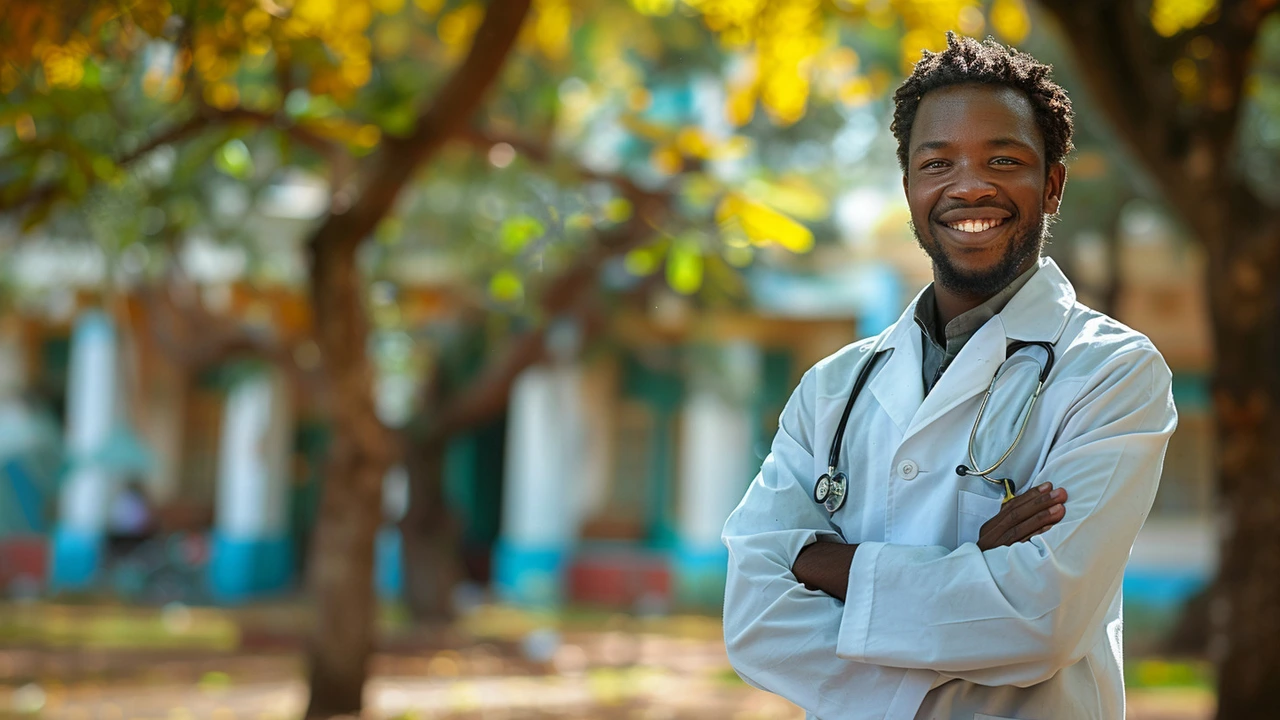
{"points": [[397, 159], [197, 340], [193, 125], [1184, 143], [567, 295], [341, 322], [177, 133], [543, 155]]}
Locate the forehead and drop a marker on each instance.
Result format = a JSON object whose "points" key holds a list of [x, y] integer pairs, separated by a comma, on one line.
{"points": [[963, 114]]}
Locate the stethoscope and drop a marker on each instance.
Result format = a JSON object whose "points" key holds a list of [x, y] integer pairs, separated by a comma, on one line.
{"points": [[832, 486]]}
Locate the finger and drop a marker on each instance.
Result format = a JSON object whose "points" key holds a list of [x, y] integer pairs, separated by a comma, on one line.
{"points": [[1046, 518], [1032, 502], [1036, 504], [1031, 495]]}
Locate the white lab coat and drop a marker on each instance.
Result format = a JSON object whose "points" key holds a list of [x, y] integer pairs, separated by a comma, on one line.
{"points": [[933, 627]]}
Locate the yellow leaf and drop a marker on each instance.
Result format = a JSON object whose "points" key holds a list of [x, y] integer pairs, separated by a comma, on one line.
{"points": [[551, 26], [1009, 19], [740, 106], [762, 224], [456, 28], [429, 7], [666, 160], [692, 142], [1169, 17], [654, 7], [793, 195]]}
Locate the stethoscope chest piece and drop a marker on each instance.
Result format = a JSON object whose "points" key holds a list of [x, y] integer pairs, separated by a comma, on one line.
{"points": [[830, 491]]}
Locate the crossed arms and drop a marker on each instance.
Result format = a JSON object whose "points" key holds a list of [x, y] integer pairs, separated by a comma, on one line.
{"points": [[1009, 613]]}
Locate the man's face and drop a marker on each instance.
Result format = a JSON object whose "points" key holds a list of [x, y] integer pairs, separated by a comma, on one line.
{"points": [[977, 187]]}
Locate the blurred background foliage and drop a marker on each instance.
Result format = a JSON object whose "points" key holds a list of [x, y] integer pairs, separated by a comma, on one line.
{"points": [[642, 144]]}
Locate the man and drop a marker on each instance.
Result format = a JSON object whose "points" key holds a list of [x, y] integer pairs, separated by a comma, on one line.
{"points": [[922, 595]]}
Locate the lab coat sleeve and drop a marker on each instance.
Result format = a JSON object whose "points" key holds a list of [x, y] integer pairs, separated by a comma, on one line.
{"points": [[781, 637], [1016, 615]]}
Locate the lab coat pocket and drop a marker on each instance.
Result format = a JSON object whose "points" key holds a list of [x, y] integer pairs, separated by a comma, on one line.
{"points": [[973, 511]]}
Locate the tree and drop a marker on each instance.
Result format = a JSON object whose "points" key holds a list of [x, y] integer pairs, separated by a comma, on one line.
{"points": [[104, 97], [80, 82], [216, 44], [1186, 86], [1190, 89]]}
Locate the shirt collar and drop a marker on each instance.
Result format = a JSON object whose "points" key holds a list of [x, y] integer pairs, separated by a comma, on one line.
{"points": [[1038, 311], [964, 325]]}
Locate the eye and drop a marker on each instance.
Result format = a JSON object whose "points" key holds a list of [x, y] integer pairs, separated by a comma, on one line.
{"points": [[1006, 161], [934, 165]]}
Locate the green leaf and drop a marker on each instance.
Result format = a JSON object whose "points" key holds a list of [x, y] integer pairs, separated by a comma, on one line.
{"points": [[685, 267], [233, 158], [642, 262], [389, 231], [617, 210], [518, 231], [505, 286]]}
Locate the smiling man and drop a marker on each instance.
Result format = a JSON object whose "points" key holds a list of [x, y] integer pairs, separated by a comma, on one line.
{"points": [[941, 528]]}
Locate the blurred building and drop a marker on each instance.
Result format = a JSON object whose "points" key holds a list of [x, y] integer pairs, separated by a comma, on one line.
{"points": [[608, 478]]}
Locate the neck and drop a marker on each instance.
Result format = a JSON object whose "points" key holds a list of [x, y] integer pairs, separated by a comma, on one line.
{"points": [[954, 303]]}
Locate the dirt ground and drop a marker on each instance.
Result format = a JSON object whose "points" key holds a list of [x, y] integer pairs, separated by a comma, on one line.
{"points": [[83, 664]]}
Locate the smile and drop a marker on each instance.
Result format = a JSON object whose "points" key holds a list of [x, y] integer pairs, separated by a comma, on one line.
{"points": [[975, 226]]}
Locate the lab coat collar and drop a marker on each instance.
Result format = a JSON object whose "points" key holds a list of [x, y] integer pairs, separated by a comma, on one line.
{"points": [[899, 386], [1039, 311]]}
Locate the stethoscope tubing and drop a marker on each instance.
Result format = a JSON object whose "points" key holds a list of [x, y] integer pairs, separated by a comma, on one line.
{"points": [[837, 440]]}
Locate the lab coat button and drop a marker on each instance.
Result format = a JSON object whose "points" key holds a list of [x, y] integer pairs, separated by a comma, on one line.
{"points": [[907, 470]]}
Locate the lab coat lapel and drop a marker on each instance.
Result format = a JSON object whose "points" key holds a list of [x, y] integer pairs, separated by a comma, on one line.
{"points": [[899, 387], [1039, 311], [968, 375]]}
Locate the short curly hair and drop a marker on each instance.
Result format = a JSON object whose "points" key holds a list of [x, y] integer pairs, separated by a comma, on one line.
{"points": [[988, 62]]}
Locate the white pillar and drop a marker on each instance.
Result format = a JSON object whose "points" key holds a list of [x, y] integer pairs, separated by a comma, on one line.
{"points": [[715, 465], [92, 412], [542, 502], [251, 549]]}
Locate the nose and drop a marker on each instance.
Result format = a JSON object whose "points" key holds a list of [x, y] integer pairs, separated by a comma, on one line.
{"points": [[970, 187]]}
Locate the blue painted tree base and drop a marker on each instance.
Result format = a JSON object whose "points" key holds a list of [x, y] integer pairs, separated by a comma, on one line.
{"points": [[388, 566], [75, 557], [700, 575], [242, 569], [528, 575]]}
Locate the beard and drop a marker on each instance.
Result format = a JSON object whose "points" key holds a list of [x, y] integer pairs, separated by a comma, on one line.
{"points": [[1027, 243]]}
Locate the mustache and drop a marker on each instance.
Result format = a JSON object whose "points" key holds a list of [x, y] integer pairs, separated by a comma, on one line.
{"points": [[942, 209]]}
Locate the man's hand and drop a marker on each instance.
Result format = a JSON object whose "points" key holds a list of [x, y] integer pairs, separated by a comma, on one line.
{"points": [[825, 566], [1031, 513]]}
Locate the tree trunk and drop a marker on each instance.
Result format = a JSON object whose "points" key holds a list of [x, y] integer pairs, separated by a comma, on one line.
{"points": [[1245, 640], [430, 534], [350, 511], [342, 549]]}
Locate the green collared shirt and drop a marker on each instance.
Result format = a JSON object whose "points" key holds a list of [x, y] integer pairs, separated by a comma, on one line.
{"points": [[938, 352]]}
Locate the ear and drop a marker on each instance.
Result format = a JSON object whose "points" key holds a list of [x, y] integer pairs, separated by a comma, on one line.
{"points": [[905, 185], [1054, 184]]}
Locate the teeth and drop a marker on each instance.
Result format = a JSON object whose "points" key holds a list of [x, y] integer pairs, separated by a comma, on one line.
{"points": [[974, 226]]}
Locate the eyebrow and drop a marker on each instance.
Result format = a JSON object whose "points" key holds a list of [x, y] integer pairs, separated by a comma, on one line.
{"points": [[1000, 142]]}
